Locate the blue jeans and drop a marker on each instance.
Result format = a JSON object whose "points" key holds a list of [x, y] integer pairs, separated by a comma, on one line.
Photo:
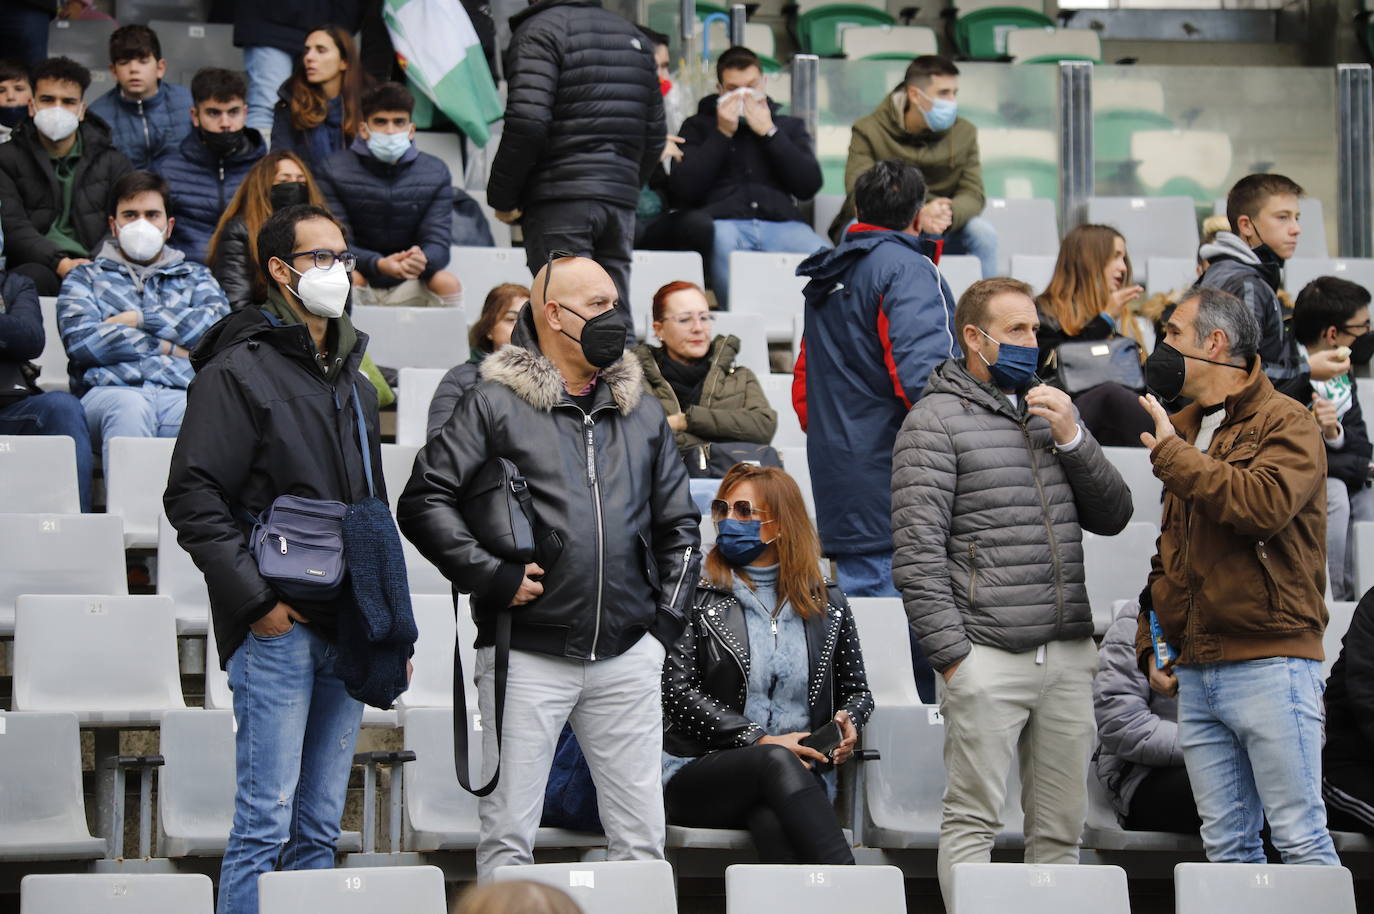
{"points": [[1251, 734], [132, 412], [267, 69], [978, 239], [54, 413], [869, 574], [297, 731], [756, 235]]}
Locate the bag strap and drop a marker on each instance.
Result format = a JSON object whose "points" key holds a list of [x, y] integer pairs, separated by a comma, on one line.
{"points": [[362, 441], [460, 706]]}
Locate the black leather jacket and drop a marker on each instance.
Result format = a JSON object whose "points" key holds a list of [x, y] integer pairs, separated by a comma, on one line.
{"points": [[609, 482], [706, 675]]}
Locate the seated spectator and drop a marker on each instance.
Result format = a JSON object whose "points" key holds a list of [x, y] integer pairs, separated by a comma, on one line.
{"points": [[24, 409], [277, 180], [15, 94], [55, 178], [396, 205], [1089, 299], [733, 756], [919, 123], [492, 331], [208, 166], [319, 109], [515, 896], [147, 117], [746, 166], [130, 318], [693, 374], [1348, 756], [271, 33], [1139, 762], [1332, 313]]}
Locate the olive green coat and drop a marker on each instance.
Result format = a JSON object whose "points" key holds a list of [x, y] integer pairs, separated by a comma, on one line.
{"points": [[733, 406]]}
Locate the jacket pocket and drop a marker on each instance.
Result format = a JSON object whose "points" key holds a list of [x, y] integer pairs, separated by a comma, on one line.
{"points": [[648, 562]]}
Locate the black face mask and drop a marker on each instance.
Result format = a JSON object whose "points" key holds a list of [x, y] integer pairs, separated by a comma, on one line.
{"points": [[1363, 348], [221, 145], [1166, 367], [288, 193], [603, 337], [11, 115]]}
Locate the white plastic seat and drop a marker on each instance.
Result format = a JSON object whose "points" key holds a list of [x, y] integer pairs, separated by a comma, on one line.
{"points": [[601, 887], [1362, 534], [357, 890], [401, 337], [432, 684], [651, 271], [766, 283], [482, 269], [179, 578], [38, 475], [42, 816], [421, 574], [1152, 226], [810, 889], [397, 462], [992, 888], [1033, 270], [117, 893], [1102, 830], [111, 660], [413, 396], [1312, 241], [59, 553], [1202, 157], [1339, 623], [758, 37], [52, 362], [860, 41], [86, 41], [824, 208], [1133, 463], [960, 271], [778, 389], [794, 461], [500, 231], [445, 145], [1116, 568], [1165, 274], [191, 45], [1027, 44], [753, 349], [195, 797], [1262, 888], [1023, 227], [134, 483], [1301, 271]]}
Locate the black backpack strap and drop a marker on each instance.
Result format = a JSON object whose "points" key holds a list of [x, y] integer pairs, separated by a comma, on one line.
{"points": [[460, 706]]}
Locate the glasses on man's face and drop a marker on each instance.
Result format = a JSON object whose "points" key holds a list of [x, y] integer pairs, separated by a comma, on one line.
{"points": [[739, 510], [324, 258], [1357, 329], [705, 318]]}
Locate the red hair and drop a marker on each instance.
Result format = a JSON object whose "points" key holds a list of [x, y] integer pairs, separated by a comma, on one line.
{"points": [[662, 295]]}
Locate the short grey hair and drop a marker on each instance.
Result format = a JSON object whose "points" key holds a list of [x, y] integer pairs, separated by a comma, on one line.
{"points": [[1218, 310]]}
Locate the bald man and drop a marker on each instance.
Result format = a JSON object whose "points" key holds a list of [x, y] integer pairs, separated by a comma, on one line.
{"points": [[592, 617]]}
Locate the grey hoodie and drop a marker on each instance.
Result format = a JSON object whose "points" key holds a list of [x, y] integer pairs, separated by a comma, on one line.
{"points": [[111, 250]]}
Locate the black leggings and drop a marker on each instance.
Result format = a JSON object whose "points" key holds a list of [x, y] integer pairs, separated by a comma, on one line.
{"points": [[767, 790], [1114, 415], [1164, 802]]}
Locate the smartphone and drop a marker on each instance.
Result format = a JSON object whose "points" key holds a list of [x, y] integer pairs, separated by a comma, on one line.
{"points": [[824, 740], [1165, 653]]}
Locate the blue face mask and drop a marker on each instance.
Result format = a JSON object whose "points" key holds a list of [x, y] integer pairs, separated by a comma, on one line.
{"points": [[388, 147], [738, 540], [1015, 366], [942, 112]]}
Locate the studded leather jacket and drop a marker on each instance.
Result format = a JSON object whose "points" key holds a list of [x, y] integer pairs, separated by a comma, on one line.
{"points": [[706, 675]]}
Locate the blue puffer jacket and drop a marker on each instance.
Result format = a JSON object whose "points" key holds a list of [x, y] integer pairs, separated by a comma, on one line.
{"points": [[387, 208], [148, 129], [314, 145], [879, 317], [202, 186]]}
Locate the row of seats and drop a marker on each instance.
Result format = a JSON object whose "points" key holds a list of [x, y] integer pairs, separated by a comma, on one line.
{"points": [[188, 42]]}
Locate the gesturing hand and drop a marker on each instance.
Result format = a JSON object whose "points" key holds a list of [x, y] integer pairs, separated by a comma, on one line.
{"points": [[1164, 429], [1325, 412], [672, 149], [1055, 407]]}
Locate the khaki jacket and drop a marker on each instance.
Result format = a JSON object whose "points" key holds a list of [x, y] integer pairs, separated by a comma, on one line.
{"points": [[733, 405]]}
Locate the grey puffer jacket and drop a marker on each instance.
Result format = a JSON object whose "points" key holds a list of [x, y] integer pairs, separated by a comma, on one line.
{"points": [[988, 518], [1137, 726]]}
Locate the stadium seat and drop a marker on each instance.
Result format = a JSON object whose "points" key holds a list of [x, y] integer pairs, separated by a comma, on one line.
{"points": [[778, 390], [825, 207], [1340, 614], [413, 395], [1190, 163], [753, 350], [1116, 568], [86, 41], [1120, 92], [110, 660], [446, 146], [1312, 241], [52, 363], [180, 579], [652, 270], [1019, 163], [134, 483], [758, 37], [413, 889], [116, 893], [960, 271], [1113, 129], [1301, 271], [980, 32], [422, 575], [1166, 274], [1023, 227], [1033, 270], [397, 461], [1262, 888], [767, 283], [1133, 463], [158, 14], [795, 463], [42, 815], [401, 337], [1152, 226], [992, 888], [1362, 534], [192, 44], [59, 553], [1103, 831], [1051, 45], [500, 231], [600, 887], [820, 25], [38, 475], [432, 684], [813, 889], [195, 797], [482, 269], [883, 630], [887, 42]]}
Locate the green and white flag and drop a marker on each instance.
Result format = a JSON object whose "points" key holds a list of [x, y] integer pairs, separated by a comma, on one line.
{"points": [[442, 57]]}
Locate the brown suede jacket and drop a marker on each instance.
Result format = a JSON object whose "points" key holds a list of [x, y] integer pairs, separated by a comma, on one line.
{"points": [[1240, 568]]}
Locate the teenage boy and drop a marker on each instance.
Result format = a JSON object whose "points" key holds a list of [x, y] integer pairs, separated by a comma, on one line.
{"points": [[147, 116], [396, 204], [15, 94], [211, 162], [55, 178]]}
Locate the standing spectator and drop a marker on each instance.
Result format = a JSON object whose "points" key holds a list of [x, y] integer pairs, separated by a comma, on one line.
{"points": [[208, 166], [147, 117], [55, 178], [1330, 313], [919, 123], [588, 635], [238, 451], [24, 29], [278, 180], [1348, 756], [130, 318], [993, 483], [1237, 584], [746, 166], [15, 94], [396, 206], [583, 132], [493, 329], [319, 109]]}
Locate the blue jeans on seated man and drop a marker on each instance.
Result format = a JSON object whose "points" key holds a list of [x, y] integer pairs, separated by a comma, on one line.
{"points": [[297, 729], [869, 574], [1251, 734], [756, 235], [977, 239], [54, 413], [132, 412]]}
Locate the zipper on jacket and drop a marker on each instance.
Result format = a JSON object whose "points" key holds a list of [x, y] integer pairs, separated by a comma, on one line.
{"points": [[143, 117], [587, 427], [221, 186], [681, 575], [1049, 528], [715, 636], [972, 572], [714, 372], [1263, 554]]}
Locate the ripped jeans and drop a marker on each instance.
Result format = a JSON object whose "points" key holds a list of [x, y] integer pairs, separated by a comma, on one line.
{"points": [[297, 728]]}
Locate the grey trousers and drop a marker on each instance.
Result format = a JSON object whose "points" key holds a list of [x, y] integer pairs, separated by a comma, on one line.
{"points": [[1342, 510], [616, 710]]}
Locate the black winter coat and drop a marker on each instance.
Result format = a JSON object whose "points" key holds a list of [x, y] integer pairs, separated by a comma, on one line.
{"points": [[1351, 463], [31, 199], [283, 24], [262, 420], [202, 185], [1350, 695], [608, 481], [232, 266], [706, 674], [745, 176], [584, 115], [21, 320]]}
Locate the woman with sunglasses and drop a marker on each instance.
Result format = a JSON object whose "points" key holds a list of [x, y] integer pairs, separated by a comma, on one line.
{"points": [[769, 657]]}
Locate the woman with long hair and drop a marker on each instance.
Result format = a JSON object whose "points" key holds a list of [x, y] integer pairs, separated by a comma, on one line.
{"points": [[1089, 298], [492, 331], [758, 749], [319, 109]]}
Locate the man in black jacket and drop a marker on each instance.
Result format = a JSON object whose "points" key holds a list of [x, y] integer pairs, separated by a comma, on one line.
{"points": [[591, 621], [1348, 756], [271, 412], [747, 166], [583, 132]]}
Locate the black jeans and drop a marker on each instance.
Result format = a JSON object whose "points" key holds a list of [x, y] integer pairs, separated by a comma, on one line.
{"points": [[767, 790], [680, 230], [1349, 795], [1114, 415], [587, 228], [1164, 802]]}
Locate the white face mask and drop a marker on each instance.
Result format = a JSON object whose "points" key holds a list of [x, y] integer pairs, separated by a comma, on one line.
{"points": [[141, 241], [56, 123], [323, 292]]}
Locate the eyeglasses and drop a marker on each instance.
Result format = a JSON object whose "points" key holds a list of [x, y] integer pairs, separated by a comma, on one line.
{"points": [[740, 510], [324, 258], [1356, 329], [682, 320]]}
